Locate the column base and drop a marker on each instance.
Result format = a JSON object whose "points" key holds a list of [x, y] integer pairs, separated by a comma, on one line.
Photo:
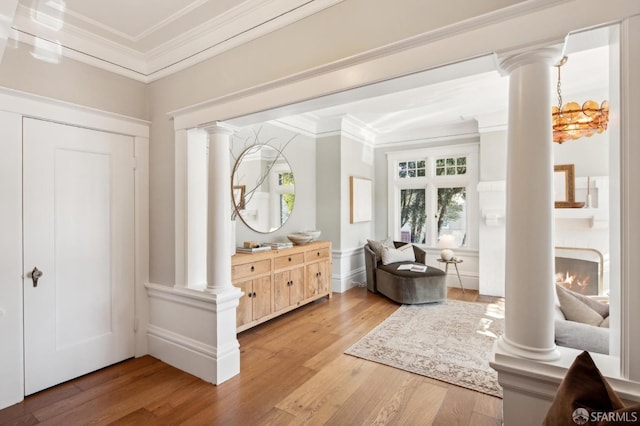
{"points": [[536, 354], [208, 348], [227, 356]]}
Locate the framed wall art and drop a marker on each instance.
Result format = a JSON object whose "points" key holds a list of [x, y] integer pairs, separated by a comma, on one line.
{"points": [[360, 199]]}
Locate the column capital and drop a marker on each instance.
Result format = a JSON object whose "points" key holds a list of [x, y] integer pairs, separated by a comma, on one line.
{"points": [[219, 128], [507, 62]]}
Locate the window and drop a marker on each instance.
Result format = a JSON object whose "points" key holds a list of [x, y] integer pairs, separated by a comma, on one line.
{"points": [[412, 169], [432, 192], [451, 166], [287, 196], [413, 215], [451, 216]]}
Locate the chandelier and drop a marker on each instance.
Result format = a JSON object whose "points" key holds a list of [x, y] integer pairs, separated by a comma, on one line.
{"points": [[573, 121]]}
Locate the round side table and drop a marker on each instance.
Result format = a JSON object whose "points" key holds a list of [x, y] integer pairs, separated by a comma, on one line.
{"points": [[453, 262]]}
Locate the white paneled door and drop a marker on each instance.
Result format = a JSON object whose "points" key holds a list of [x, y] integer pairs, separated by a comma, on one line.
{"points": [[78, 251]]}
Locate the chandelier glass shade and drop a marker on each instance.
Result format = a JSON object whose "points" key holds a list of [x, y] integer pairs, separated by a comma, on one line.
{"points": [[573, 121]]}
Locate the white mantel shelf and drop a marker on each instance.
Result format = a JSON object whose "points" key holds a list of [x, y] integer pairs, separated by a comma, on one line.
{"points": [[597, 217]]}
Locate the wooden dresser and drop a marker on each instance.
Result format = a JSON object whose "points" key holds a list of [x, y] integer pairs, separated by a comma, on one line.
{"points": [[278, 281]]}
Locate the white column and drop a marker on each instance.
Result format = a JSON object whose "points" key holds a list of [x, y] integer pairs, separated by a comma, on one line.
{"points": [[219, 206], [529, 272], [225, 295]]}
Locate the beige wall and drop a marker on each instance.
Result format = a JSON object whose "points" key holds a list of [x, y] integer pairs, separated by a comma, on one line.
{"points": [[344, 30], [73, 82]]}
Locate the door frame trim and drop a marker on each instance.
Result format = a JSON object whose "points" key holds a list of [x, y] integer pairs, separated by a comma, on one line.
{"points": [[21, 105]]}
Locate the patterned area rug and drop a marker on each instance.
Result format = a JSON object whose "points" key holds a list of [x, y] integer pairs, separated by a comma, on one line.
{"points": [[451, 342]]}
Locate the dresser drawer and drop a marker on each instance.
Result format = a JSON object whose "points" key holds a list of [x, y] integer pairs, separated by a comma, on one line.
{"points": [[251, 269], [317, 254], [285, 261]]}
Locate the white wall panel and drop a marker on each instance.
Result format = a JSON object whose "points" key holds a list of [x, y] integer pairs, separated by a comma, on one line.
{"points": [[11, 369]]}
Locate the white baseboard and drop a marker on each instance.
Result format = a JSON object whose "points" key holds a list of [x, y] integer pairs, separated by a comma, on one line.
{"points": [[192, 356], [344, 282], [469, 282], [181, 352], [348, 269]]}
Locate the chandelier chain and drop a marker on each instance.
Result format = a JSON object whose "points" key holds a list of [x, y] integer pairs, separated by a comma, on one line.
{"points": [[558, 89]]}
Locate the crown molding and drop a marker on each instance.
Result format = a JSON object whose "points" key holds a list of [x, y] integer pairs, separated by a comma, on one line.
{"points": [[245, 22], [298, 124], [359, 130], [210, 40], [455, 131], [146, 33]]}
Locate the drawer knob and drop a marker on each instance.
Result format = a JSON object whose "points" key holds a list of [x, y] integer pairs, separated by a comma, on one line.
{"points": [[318, 253], [289, 259], [253, 268]]}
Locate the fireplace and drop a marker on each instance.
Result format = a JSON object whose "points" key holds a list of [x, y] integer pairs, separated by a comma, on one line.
{"points": [[580, 270]]}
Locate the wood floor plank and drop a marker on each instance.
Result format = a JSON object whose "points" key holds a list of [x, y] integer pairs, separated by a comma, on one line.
{"points": [[25, 409], [139, 417], [108, 407], [318, 399], [133, 366], [482, 420], [457, 408], [398, 399], [104, 388], [293, 371], [335, 349], [275, 416], [488, 405]]}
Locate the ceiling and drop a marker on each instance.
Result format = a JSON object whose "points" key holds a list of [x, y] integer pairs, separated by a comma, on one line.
{"points": [[456, 100], [149, 39]]}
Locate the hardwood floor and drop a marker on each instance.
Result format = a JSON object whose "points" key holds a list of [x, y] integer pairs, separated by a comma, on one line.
{"points": [[294, 371]]}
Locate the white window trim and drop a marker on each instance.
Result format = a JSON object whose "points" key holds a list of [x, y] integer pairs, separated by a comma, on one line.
{"points": [[469, 180]]}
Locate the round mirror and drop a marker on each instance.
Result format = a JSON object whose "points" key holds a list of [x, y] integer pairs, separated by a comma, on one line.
{"points": [[263, 188]]}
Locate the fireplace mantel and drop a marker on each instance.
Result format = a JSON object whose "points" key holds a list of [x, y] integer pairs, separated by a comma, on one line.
{"points": [[493, 213], [595, 217]]}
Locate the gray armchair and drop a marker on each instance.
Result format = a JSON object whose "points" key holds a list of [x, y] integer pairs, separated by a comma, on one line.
{"points": [[405, 286]]}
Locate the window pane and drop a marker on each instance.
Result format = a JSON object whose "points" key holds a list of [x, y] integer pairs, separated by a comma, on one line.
{"points": [[440, 162], [452, 214], [422, 164], [285, 178], [440, 171], [402, 169], [462, 161], [412, 173], [451, 170], [461, 170], [412, 164], [451, 162], [421, 172], [413, 215], [286, 206]]}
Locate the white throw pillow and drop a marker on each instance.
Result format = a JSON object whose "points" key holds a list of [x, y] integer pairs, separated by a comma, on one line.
{"points": [[576, 310], [601, 308], [378, 247], [401, 254]]}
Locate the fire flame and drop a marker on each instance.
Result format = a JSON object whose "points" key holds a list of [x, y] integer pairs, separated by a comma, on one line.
{"points": [[572, 281]]}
